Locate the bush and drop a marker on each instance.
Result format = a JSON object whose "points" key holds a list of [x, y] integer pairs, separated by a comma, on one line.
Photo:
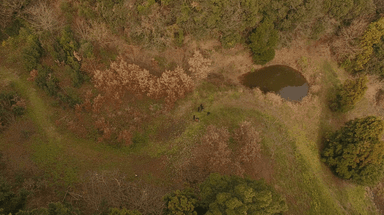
{"points": [[355, 152], [181, 202], [46, 80], [348, 95], [263, 42], [31, 53], [11, 202], [235, 195]]}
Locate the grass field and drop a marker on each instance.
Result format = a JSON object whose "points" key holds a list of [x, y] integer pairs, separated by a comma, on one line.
{"points": [[291, 140]]}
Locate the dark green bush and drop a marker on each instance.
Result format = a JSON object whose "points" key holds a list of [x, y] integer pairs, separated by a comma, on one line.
{"points": [[46, 80], [348, 94], [11, 202], [355, 151], [69, 97], [31, 53], [10, 107]]}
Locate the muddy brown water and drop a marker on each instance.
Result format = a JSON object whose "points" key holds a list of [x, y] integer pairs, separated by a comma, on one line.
{"points": [[289, 83]]}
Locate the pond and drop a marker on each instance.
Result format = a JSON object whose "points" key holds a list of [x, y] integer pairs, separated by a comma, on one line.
{"points": [[289, 83]]}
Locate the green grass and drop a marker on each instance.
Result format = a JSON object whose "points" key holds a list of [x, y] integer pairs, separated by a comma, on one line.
{"points": [[292, 144]]}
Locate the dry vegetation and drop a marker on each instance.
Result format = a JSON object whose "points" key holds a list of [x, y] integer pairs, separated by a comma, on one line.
{"points": [[212, 153], [113, 189]]}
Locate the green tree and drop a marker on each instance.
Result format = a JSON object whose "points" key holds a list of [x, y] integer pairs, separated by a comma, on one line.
{"points": [[31, 53], [53, 209], [181, 202], [263, 42], [355, 151], [348, 94], [116, 211], [338, 8], [11, 202], [235, 195]]}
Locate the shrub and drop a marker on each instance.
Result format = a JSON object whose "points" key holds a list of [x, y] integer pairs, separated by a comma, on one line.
{"points": [[348, 95], [230, 39], [11, 106], [248, 139], [31, 53], [181, 202], [355, 151], [116, 211], [53, 209], [263, 42], [236, 195], [122, 77]]}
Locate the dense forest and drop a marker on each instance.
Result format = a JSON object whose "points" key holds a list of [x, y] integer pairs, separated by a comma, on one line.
{"points": [[128, 107]]}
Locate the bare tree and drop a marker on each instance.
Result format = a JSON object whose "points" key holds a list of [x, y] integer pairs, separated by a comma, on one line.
{"points": [[42, 16]]}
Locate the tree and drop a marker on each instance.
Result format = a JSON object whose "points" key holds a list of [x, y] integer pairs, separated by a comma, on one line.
{"points": [[355, 151], [116, 211], [348, 95], [236, 195], [181, 202], [263, 42], [53, 209]]}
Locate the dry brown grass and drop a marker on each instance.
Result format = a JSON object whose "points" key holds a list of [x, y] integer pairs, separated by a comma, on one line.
{"points": [[212, 154], [113, 189]]}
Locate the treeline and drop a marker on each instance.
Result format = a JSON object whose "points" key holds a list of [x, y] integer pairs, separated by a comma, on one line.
{"points": [[262, 25], [218, 194]]}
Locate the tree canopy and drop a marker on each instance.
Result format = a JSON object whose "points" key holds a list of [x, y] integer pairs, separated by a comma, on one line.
{"points": [[348, 94], [263, 42], [355, 151], [235, 195], [181, 202]]}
